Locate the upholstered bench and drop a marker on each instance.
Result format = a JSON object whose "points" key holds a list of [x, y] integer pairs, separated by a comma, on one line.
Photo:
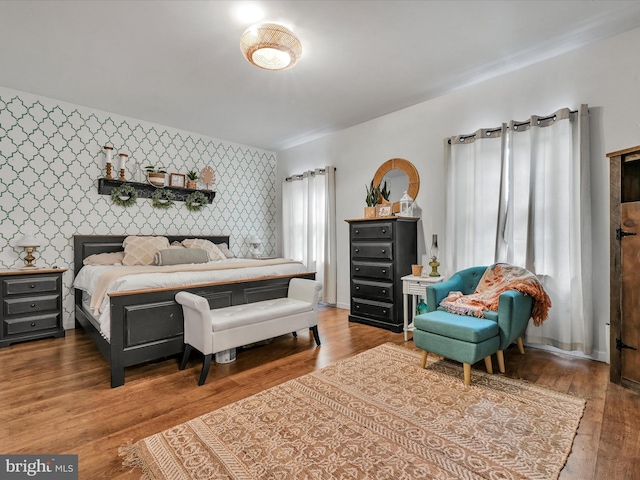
{"points": [[211, 331]]}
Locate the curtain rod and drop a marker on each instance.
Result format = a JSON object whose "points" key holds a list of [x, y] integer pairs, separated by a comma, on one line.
{"points": [[300, 176], [516, 124]]}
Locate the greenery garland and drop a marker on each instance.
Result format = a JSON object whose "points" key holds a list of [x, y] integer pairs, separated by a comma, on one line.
{"points": [[162, 198], [196, 201], [124, 195]]}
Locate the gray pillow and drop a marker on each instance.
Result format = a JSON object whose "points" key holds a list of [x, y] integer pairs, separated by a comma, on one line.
{"points": [[179, 256]]}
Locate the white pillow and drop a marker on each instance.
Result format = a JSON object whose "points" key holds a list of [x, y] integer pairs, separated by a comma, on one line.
{"points": [[210, 247]]}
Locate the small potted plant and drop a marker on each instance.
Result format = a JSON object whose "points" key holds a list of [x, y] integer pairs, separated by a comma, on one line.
{"points": [[156, 176], [373, 195], [192, 178]]}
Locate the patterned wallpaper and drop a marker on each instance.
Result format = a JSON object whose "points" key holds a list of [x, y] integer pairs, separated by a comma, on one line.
{"points": [[51, 157]]}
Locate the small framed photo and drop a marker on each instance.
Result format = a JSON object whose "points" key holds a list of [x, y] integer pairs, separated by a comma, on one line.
{"points": [[177, 180], [385, 210]]}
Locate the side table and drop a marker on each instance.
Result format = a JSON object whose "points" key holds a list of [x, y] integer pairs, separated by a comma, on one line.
{"points": [[416, 287], [31, 304]]}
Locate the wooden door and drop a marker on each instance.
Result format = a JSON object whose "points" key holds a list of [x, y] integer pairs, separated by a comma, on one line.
{"points": [[630, 264]]}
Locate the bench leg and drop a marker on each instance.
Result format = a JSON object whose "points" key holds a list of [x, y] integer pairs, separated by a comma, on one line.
{"points": [[205, 369], [316, 336], [500, 356], [185, 356], [488, 364], [423, 360], [295, 334], [520, 345]]}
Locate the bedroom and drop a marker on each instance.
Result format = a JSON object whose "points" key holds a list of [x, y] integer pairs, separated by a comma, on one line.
{"points": [[602, 74]]}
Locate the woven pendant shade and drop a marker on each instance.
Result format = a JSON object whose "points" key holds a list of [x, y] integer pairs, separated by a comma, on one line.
{"points": [[270, 46]]}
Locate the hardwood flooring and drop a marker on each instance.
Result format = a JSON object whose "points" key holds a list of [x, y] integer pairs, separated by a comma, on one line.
{"points": [[55, 396]]}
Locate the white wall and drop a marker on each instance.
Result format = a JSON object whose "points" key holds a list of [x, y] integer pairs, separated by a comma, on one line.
{"points": [[605, 75]]}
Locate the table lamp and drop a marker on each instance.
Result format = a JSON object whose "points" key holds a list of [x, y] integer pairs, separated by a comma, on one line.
{"points": [[255, 243], [29, 243]]}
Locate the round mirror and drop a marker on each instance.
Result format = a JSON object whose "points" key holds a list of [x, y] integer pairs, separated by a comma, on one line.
{"points": [[401, 175]]}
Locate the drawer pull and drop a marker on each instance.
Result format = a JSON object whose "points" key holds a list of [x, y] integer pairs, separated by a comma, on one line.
{"points": [[33, 305], [357, 307], [384, 271], [384, 311], [357, 231], [357, 288], [384, 230], [384, 251], [384, 292], [357, 269], [33, 324], [33, 285], [357, 250]]}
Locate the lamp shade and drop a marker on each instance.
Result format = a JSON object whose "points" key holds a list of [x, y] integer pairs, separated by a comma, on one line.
{"points": [[253, 240], [270, 46], [28, 241]]}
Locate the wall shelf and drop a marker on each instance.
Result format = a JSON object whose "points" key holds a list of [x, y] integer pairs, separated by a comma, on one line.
{"points": [[146, 190]]}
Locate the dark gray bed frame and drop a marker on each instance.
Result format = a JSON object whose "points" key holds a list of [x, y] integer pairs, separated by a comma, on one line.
{"points": [[147, 325]]}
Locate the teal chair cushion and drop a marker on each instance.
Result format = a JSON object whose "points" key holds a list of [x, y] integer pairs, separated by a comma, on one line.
{"points": [[463, 328]]}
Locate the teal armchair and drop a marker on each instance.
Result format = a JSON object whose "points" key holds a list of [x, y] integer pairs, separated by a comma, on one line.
{"points": [[469, 339]]}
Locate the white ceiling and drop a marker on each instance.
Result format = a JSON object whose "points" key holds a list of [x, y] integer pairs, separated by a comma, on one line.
{"points": [[178, 63]]}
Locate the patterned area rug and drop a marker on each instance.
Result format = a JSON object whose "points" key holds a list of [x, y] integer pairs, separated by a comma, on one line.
{"points": [[377, 415]]}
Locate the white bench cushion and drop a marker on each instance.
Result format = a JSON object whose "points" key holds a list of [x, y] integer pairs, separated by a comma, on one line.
{"points": [[250, 313]]}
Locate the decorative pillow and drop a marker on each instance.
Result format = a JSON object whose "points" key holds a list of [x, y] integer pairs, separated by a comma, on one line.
{"points": [[224, 248], [111, 258], [176, 244], [214, 252], [141, 250], [179, 256]]}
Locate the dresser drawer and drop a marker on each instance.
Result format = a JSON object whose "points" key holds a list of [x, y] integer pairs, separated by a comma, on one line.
{"points": [[383, 251], [371, 308], [383, 271], [35, 323], [32, 284], [28, 305], [372, 230], [378, 290]]}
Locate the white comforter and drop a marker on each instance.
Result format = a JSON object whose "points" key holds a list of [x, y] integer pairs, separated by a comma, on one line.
{"points": [[88, 277]]}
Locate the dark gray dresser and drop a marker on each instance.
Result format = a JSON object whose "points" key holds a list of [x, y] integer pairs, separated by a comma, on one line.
{"points": [[382, 252]]}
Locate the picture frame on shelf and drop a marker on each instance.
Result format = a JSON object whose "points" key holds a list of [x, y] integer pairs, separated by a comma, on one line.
{"points": [[384, 210], [177, 180]]}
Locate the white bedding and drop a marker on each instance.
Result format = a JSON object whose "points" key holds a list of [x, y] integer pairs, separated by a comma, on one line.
{"points": [[88, 277]]}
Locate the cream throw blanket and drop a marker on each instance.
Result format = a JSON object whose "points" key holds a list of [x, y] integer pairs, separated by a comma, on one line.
{"points": [[498, 279], [110, 276]]}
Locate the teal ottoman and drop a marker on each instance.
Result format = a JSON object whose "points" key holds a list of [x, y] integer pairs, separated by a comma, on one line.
{"points": [[461, 338]]}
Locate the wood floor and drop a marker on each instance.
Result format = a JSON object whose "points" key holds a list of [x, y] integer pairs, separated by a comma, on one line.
{"points": [[55, 396]]}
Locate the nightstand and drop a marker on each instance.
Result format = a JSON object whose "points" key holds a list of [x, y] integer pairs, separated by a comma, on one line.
{"points": [[416, 287], [31, 304]]}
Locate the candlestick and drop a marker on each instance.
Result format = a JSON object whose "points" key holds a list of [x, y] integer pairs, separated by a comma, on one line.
{"points": [[108, 151], [123, 161]]}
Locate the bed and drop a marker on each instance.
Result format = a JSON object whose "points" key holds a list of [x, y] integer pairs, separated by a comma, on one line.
{"points": [[147, 324]]}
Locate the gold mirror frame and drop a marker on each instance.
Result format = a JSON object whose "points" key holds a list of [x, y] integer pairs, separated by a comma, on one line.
{"points": [[407, 167]]}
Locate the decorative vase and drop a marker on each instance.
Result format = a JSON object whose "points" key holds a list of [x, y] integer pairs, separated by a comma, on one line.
{"points": [[156, 179], [416, 270], [369, 212], [192, 184]]}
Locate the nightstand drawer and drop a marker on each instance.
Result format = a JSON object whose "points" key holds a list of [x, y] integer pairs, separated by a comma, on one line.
{"points": [[31, 324], [371, 308], [383, 271], [373, 230], [32, 284], [383, 251], [41, 303], [381, 290]]}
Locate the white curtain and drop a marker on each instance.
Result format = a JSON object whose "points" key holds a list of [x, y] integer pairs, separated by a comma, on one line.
{"points": [[474, 198], [530, 202], [309, 225], [549, 222]]}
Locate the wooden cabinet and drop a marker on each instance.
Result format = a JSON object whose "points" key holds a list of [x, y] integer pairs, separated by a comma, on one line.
{"points": [[624, 234], [382, 252], [31, 305]]}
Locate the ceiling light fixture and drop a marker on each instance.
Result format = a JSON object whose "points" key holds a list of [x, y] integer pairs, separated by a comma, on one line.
{"points": [[270, 46]]}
